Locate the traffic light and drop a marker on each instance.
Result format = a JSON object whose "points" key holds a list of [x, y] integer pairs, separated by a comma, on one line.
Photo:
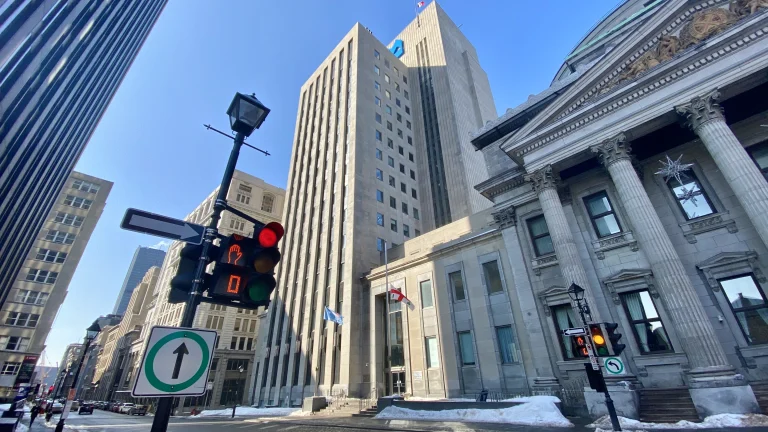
{"points": [[244, 272], [581, 345], [613, 338], [181, 284], [599, 341]]}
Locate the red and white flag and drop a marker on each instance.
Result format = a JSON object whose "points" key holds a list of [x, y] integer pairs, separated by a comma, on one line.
{"points": [[397, 295], [420, 4]]}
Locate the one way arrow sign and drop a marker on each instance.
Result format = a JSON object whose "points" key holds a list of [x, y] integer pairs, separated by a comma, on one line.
{"points": [[162, 226]]}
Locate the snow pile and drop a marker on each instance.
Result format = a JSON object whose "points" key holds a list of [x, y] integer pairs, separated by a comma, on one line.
{"points": [[437, 399], [248, 412], [553, 399], [21, 427], [711, 422], [537, 411]]}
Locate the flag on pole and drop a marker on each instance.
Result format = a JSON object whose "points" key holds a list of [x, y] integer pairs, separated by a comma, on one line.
{"points": [[330, 315], [420, 4], [397, 295]]}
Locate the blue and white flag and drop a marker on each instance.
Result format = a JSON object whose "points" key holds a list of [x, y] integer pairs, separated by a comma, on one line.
{"points": [[330, 315]]}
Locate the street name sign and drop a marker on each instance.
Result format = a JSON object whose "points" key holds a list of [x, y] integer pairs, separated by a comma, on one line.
{"points": [[614, 366], [176, 362], [576, 331], [162, 226]]}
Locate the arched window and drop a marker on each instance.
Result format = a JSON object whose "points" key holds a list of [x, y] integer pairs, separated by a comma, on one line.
{"points": [[267, 201]]}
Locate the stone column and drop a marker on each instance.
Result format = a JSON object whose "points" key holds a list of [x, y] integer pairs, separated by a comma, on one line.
{"points": [[705, 117], [568, 259], [714, 387]]}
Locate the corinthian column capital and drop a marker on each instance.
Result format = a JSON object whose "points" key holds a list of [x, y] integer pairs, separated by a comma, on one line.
{"points": [[701, 109], [542, 179], [613, 149]]}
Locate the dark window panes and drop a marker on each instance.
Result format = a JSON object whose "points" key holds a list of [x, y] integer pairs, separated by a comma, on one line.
{"points": [[507, 345], [565, 318], [646, 324], [760, 154], [466, 348], [379, 196], [492, 277], [749, 307], [602, 215], [457, 285], [542, 242]]}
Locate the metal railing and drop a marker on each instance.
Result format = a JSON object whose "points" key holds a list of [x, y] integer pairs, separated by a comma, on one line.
{"points": [[369, 401]]}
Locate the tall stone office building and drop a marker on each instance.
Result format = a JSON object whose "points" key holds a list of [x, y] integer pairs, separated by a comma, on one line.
{"points": [[143, 259], [60, 64], [38, 289], [381, 135]]}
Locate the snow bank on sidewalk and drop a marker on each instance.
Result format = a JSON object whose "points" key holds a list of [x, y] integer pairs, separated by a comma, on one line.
{"points": [[536, 411], [249, 412], [711, 422]]}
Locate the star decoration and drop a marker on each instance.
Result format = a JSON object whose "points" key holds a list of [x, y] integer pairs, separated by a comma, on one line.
{"points": [[674, 169]]}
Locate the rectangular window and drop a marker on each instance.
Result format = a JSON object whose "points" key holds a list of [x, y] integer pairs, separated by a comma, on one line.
{"points": [[388, 94], [393, 225], [416, 213], [391, 181], [401, 150], [68, 219], [413, 174], [233, 343], [492, 277], [417, 233], [404, 207], [565, 318], [410, 140], [466, 348], [379, 174], [78, 202], [379, 196], [14, 343], [403, 188], [542, 242], [378, 154], [10, 368], [389, 126], [386, 77], [399, 117], [413, 193], [390, 143], [749, 306], [51, 256], [237, 324], [389, 110], [407, 109], [85, 186], [402, 168], [646, 324], [397, 100], [377, 86], [457, 285], [408, 124], [376, 69], [406, 230], [378, 135], [433, 357], [42, 276], [393, 202], [379, 219], [507, 345], [410, 157], [21, 319], [391, 161], [397, 72], [378, 118], [376, 54], [405, 92], [602, 214], [379, 244], [426, 294], [377, 101], [31, 297], [691, 199], [400, 133], [759, 154]]}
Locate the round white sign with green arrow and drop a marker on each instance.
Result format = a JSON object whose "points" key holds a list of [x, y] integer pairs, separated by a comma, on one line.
{"points": [[614, 366], [176, 362]]}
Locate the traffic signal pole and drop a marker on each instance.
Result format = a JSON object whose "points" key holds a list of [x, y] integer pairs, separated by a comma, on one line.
{"points": [[165, 405]]}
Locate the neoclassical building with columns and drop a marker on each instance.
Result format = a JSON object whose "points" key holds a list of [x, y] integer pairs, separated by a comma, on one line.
{"points": [[640, 175]]}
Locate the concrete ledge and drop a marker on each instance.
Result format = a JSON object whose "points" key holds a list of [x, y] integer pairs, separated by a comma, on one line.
{"points": [[724, 400], [314, 404]]}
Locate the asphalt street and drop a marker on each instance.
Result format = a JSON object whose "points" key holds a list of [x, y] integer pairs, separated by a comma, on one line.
{"points": [[102, 421]]}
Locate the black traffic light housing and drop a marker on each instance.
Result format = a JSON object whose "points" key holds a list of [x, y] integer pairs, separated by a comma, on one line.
{"points": [[181, 284], [614, 338], [244, 272], [599, 340]]}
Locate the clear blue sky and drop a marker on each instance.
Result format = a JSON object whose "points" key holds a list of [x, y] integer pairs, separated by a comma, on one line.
{"points": [[151, 142]]}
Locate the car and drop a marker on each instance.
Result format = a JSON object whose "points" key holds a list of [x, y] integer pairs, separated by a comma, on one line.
{"points": [[137, 410], [85, 409], [125, 408], [115, 407], [57, 407]]}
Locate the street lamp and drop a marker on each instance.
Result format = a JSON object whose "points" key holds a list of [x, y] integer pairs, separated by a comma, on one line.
{"points": [[576, 293], [90, 334], [241, 369], [246, 113]]}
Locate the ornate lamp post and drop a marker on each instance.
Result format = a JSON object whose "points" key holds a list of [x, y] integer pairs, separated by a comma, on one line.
{"points": [[90, 334]]}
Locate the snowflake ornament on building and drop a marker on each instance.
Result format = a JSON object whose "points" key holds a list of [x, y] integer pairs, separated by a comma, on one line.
{"points": [[674, 169]]}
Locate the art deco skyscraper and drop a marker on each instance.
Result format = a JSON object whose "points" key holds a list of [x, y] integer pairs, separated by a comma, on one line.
{"points": [[60, 64]]}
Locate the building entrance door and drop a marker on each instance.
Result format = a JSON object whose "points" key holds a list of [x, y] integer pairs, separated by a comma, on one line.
{"points": [[396, 383]]}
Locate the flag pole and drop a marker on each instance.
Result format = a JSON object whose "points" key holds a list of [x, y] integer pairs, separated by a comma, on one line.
{"points": [[388, 375], [418, 21]]}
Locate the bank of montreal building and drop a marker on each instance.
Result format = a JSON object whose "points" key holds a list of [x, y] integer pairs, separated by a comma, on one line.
{"points": [[370, 165]]}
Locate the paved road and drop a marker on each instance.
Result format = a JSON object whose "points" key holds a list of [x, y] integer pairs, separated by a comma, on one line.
{"points": [[102, 421]]}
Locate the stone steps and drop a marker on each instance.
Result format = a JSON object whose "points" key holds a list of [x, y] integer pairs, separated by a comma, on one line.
{"points": [[369, 413], [761, 394], [667, 405]]}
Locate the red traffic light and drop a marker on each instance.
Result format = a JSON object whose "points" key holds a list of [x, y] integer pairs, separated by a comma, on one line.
{"points": [[271, 234]]}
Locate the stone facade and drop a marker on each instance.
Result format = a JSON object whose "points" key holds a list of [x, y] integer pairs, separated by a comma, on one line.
{"points": [[678, 263]]}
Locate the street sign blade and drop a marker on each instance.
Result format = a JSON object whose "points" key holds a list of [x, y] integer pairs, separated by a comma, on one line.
{"points": [[162, 226], [176, 362], [576, 331]]}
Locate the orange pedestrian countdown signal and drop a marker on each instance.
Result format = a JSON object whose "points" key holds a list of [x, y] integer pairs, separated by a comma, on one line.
{"points": [[233, 287], [581, 343]]}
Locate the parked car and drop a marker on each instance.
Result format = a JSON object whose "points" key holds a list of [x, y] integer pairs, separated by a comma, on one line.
{"points": [[137, 410], [125, 408], [115, 408], [85, 409], [57, 407], [75, 406]]}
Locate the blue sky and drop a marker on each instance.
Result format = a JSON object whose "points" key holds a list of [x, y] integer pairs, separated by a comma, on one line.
{"points": [[151, 142]]}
